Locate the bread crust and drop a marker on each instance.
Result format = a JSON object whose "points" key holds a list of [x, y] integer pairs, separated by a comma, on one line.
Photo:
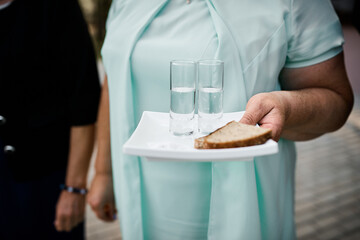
{"points": [[203, 143]]}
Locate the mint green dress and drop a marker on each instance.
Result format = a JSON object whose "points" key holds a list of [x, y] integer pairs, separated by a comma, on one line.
{"points": [[255, 39]]}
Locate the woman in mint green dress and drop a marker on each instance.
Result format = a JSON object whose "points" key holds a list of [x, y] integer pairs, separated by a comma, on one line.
{"points": [[283, 64]]}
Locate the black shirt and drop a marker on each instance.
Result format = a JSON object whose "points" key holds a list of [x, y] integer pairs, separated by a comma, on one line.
{"points": [[48, 83]]}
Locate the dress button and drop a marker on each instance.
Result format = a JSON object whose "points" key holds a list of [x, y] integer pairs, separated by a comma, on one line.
{"points": [[2, 120], [8, 149]]}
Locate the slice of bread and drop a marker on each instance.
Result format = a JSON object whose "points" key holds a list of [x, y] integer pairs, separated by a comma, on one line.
{"points": [[234, 134]]}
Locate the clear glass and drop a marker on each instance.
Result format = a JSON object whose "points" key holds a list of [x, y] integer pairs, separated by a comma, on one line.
{"points": [[210, 95], [182, 99]]}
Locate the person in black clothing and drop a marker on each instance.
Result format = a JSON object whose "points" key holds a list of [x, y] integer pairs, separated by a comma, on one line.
{"points": [[49, 94]]}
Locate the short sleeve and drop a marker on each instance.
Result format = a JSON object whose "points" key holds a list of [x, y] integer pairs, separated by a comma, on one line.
{"points": [[84, 84], [314, 33]]}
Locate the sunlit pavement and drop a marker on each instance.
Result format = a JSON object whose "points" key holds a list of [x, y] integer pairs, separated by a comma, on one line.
{"points": [[327, 175]]}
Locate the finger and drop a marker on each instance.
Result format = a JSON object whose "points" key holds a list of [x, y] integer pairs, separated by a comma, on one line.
{"points": [[249, 118], [275, 122], [113, 212], [60, 223], [103, 214], [110, 212], [252, 116], [78, 212], [255, 111], [57, 225], [70, 222], [59, 219], [275, 132], [56, 221], [75, 220], [66, 219], [80, 215]]}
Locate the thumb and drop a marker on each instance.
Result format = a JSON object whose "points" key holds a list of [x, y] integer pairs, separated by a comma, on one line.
{"points": [[251, 117], [256, 109]]}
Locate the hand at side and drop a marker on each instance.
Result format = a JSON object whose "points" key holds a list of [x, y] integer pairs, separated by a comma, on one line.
{"points": [[101, 197], [69, 211]]}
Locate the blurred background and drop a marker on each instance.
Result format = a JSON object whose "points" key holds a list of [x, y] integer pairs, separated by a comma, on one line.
{"points": [[328, 168], [95, 12]]}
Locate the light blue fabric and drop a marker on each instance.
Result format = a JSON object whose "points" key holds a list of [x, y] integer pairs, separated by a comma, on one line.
{"points": [[255, 39], [175, 195]]}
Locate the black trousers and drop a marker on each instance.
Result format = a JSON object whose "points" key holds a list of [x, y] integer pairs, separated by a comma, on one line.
{"points": [[27, 209]]}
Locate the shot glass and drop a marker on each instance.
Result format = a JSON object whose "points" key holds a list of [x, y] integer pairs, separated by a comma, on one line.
{"points": [[210, 95], [182, 100]]}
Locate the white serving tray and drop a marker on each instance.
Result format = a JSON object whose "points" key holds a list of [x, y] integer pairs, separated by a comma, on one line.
{"points": [[152, 140]]}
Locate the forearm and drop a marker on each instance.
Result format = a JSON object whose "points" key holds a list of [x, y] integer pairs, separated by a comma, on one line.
{"points": [[319, 99], [312, 112], [103, 158], [101, 194], [315, 100], [81, 147]]}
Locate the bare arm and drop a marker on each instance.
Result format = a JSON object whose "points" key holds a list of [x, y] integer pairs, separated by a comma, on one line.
{"points": [[101, 195], [81, 148], [316, 100], [70, 207], [103, 158]]}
